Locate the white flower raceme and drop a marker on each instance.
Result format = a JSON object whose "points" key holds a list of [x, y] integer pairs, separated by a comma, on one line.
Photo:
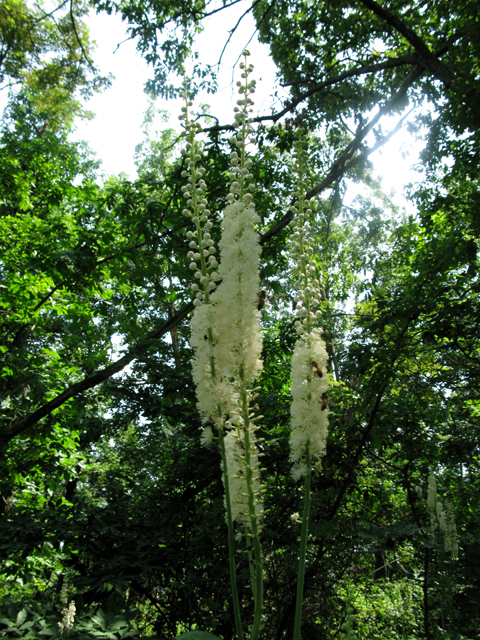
{"points": [[68, 617], [450, 541], [233, 353], [231, 318], [439, 509], [432, 492], [309, 408], [238, 336], [215, 395], [441, 517], [450, 537]]}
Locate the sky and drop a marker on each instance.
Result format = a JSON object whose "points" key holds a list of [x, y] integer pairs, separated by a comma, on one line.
{"points": [[119, 111], [117, 127]]}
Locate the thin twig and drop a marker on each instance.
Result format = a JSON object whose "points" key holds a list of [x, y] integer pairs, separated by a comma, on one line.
{"points": [[232, 31], [74, 25]]}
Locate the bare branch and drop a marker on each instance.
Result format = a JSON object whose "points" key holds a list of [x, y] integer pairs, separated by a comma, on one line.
{"points": [[49, 15], [92, 381], [232, 31], [123, 42], [74, 25], [225, 6]]}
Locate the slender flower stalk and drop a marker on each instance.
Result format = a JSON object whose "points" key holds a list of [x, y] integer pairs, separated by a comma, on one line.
{"points": [[238, 332], [226, 333], [213, 394], [303, 549], [231, 543], [309, 408]]}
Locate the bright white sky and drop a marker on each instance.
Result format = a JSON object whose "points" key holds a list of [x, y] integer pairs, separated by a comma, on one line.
{"points": [[117, 127]]}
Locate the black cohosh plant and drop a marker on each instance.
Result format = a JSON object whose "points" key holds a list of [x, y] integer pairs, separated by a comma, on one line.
{"points": [[227, 339]]}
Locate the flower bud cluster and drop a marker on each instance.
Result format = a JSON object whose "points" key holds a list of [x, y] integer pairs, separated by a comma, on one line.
{"points": [[348, 632], [305, 267], [203, 261], [240, 175]]}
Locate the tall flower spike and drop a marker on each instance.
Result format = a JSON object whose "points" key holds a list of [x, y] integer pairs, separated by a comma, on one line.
{"points": [[238, 338], [237, 320], [235, 316], [309, 408], [442, 519], [226, 335], [214, 395]]}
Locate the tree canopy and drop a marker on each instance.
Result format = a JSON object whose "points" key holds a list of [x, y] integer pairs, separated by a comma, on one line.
{"points": [[112, 511]]}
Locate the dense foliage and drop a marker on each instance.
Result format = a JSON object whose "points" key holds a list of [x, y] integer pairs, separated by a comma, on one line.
{"points": [[111, 509]]}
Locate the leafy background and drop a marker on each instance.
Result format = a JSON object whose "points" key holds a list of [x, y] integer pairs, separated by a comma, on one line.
{"points": [[107, 498]]}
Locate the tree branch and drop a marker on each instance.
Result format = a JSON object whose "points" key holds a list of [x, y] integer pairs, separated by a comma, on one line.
{"points": [[225, 6], [232, 31], [25, 325], [80, 43], [292, 105], [345, 161], [48, 15], [95, 379], [356, 457], [428, 59]]}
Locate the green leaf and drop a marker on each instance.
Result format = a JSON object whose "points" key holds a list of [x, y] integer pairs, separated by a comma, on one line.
{"points": [[197, 635], [21, 617]]}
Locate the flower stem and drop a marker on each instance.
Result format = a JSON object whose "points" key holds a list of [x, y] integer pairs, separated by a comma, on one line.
{"points": [[231, 544], [303, 549], [252, 509]]}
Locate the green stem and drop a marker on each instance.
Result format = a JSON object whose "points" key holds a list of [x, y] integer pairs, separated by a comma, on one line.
{"points": [[252, 503], [303, 550], [442, 569], [250, 561], [231, 544]]}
